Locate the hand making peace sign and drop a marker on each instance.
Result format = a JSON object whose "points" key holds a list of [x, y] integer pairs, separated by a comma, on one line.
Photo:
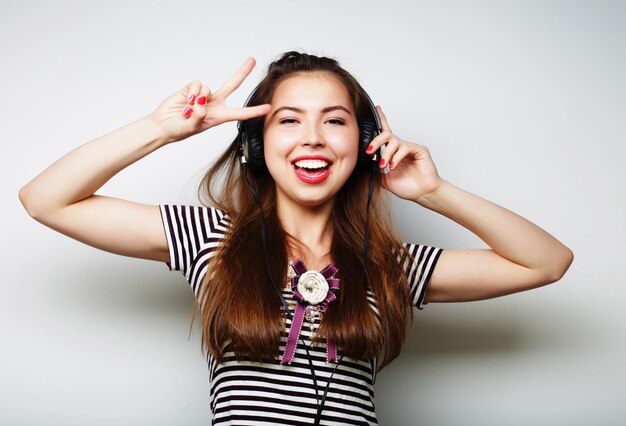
{"points": [[194, 108], [412, 172]]}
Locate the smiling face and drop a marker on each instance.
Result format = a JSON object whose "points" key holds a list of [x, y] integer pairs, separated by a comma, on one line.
{"points": [[310, 138]]}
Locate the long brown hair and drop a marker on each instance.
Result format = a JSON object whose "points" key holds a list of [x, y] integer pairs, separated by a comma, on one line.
{"points": [[240, 309]]}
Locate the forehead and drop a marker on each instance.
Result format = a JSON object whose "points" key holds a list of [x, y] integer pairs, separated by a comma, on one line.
{"points": [[312, 89]]}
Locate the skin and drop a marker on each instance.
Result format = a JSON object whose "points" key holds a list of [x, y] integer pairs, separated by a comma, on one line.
{"points": [[521, 255], [304, 209]]}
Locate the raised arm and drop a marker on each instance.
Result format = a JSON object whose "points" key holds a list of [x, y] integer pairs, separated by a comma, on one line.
{"points": [[522, 255], [63, 197]]}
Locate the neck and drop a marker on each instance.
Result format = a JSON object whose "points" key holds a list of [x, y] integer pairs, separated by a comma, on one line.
{"points": [[310, 225]]}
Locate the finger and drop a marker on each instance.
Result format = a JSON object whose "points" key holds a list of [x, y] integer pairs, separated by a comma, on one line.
{"points": [[236, 79], [247, 113], [205, 92], [192, 90], [383, 119], [390, 150], [399, 155], [377, 142], [204, 95]]}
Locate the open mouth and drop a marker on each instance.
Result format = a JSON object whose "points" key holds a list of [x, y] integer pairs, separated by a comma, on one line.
{"points": [[312, 171]]}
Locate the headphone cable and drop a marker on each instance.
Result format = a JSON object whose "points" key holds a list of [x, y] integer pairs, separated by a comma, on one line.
{"points": [[319, 406]]}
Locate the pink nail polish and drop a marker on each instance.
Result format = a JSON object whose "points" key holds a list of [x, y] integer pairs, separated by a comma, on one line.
{"points": [[187, 112], [369, 149], [202, 100], [382, 163], [391, 165], [191, 98]]}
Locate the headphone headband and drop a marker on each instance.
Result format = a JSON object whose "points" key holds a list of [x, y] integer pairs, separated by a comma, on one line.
{"points": [[251, 138]]}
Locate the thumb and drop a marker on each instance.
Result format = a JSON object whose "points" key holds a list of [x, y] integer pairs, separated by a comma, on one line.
{"points": [[383, 181]]}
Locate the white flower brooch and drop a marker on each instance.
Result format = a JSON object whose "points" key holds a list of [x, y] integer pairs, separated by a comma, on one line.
{"points": [[311, 288]]}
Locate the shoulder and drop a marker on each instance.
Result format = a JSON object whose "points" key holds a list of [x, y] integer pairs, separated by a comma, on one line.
{"points": [[421, 260], [419, 252], [195, 219], [192, 233]]}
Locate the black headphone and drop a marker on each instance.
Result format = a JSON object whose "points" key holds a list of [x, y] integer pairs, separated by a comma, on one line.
{"points": [[250, 136]]}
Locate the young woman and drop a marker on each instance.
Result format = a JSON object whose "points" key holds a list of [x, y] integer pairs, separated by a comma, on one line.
{"points": [[303, 285]]}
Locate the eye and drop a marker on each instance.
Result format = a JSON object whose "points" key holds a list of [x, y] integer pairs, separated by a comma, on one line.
{"points": [[336, 121], [288, 121]]}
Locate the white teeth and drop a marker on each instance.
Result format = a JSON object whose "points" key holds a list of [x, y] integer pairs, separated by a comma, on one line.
{"points": [[311, 164]]}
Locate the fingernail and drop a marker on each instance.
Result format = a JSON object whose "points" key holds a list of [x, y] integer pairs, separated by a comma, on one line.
{"points": [[382, 163], [202, 100], [369, 149], [191, 98], [391, 165], [187, 111]]}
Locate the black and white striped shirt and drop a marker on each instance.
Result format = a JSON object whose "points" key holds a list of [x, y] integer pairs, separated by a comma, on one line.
{"points": [[254, 393]]}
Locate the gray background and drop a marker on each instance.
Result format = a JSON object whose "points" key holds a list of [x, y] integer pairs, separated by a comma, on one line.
{"points": [[522, 103]]}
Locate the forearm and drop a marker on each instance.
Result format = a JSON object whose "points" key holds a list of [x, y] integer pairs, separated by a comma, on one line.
{"points": [[81, 172], [508, 234]]}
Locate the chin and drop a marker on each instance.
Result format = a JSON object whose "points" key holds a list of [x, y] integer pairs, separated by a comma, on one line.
{"points": [[314, 202], [310, 200]]}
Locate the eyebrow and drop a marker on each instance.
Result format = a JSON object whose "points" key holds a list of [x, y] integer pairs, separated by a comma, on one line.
{"points": [[301, 111]]}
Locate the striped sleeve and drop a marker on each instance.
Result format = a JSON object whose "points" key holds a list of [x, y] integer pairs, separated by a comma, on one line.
{"points": [[192, 233], [419, 269]]}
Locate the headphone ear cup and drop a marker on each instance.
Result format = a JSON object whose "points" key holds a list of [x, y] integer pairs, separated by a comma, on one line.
{"points": [[254, 137], [367, 132]]}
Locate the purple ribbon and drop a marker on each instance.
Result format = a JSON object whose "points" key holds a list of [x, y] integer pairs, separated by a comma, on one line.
{"points": [[296, 324]]}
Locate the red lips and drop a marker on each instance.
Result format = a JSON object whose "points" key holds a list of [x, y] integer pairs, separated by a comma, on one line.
{"points": [[307, 178], [310, 176]]}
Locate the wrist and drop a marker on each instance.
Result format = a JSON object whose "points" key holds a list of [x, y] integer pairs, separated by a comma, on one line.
{"points": [[157, 134], [432, 198]]}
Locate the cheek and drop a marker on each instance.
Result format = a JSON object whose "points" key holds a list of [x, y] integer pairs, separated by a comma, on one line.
{"points": [[275, 151], [347, 147], [277, 138]]}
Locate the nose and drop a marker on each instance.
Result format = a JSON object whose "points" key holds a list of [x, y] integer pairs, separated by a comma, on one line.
{"points": [[312, 136]]}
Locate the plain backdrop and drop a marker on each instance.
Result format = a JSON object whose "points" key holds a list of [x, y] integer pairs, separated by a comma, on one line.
{"points": [[520, 102]]}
